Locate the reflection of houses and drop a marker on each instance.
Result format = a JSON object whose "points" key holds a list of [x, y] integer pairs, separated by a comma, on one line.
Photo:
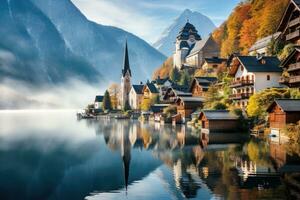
{"points": [[289, 25], [136, 96], [284, 111], [98, 103], [291, 67], [261, 46], [200, 85], [253, 74], [218, 120]]}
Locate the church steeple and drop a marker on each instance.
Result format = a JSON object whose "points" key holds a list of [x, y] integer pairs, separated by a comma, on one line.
{"points": [[126, 66]]}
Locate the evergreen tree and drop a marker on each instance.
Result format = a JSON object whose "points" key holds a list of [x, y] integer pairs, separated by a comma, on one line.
{"points": [[175, 75], [106, 105], [127, 106], [185, 78]]}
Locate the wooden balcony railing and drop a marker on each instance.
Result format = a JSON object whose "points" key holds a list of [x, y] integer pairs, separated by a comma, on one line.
{"points": [[295, 79], [294, 22], [240, 96], [294, 67], [241, 83], [293, 35]]}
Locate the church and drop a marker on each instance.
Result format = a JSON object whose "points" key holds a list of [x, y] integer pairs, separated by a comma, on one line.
{"points": [[125, 80], [191, 50]]}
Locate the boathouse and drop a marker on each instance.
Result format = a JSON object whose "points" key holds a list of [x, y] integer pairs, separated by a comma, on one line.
{"points": [[218, 120], [186, 106], [284, 111]]}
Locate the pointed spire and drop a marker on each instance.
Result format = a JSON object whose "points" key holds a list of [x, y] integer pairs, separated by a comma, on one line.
{"points": [[126, 66]]}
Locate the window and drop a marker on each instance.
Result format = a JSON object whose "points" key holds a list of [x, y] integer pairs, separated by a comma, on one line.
{"points": [[268, 77]]}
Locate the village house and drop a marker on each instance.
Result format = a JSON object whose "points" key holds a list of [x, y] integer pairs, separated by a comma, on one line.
{"points": [[98, 103], [136, 96], [260, 47], [174, 92], [186, 106], [157, 110], [283, 112], [200, 85], [206, 48], [291, 69], [190, 49], [289, 25], [150, 91], [218, 120], [252, 74], [211, 65], [162, 84]]}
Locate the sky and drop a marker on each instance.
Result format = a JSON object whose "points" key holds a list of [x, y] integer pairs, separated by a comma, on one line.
{"points": [[149, 18]]}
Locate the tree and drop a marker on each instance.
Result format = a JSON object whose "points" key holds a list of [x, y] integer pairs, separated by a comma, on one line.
{"points": [[248, 35], [219, 106], [146, 104], [185, 78], [106, 105], [286, 51], [175, 75], [114, 91]]}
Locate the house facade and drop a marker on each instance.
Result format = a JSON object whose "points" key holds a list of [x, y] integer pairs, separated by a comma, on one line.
{"points": [[98, 102], [187, 105], [252, 74], [290, 22], [212, 64], [200, 85], [291, 69], [218, 120], [284, 111], [260, 47], [136, 96], [150, 91]]}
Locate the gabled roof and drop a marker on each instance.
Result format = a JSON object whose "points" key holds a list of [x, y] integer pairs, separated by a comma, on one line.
{"points": [[287, 105], [191, 99], [215, 60], [99, 98], [264, 42], [218, 115], [264, 64], [161, 81], [199, 46], [151, 87], [289, 10], [204, 82], [138, 89]]}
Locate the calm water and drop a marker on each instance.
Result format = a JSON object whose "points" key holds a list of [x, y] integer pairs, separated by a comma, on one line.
{"points": [[51, 155]]}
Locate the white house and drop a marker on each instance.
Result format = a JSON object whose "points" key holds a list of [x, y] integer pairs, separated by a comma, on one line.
{"points": [[261, 46], [98, 102], [253, 74], [136, 96]]}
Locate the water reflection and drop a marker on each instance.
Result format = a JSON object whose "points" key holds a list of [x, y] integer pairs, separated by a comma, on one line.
{"points": [[108, 159]]}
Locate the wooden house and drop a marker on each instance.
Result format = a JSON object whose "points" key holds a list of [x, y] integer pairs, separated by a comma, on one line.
{"points": [[150, 91], [187, 105], [173, 93], [252, 74], [212, 64], [291, 69], [200, 85], [218, 120], [290, 23], [284, 111], [157, 110]]}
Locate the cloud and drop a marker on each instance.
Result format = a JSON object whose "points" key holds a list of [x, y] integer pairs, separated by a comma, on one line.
{"points": [[74, 94]]}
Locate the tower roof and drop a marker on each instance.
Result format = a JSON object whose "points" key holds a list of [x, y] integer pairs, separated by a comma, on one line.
{"points": [[126, 66], [187, 30]]}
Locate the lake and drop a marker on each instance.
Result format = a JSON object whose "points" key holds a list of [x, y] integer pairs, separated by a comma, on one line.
{"points": [[52, 155]]}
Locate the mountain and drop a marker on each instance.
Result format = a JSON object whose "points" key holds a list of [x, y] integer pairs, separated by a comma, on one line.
{"points": [[203, 24], [50, 41]]}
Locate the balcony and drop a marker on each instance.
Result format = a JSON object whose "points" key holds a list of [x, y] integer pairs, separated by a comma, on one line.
{"points": [[240, 96], [293, 35], [294, 67], [294, 79], [241, 83], [294, 22], [283, 80]]}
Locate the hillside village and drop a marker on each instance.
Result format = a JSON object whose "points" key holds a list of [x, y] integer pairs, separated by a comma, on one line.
{"points": [[201, 86]]}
